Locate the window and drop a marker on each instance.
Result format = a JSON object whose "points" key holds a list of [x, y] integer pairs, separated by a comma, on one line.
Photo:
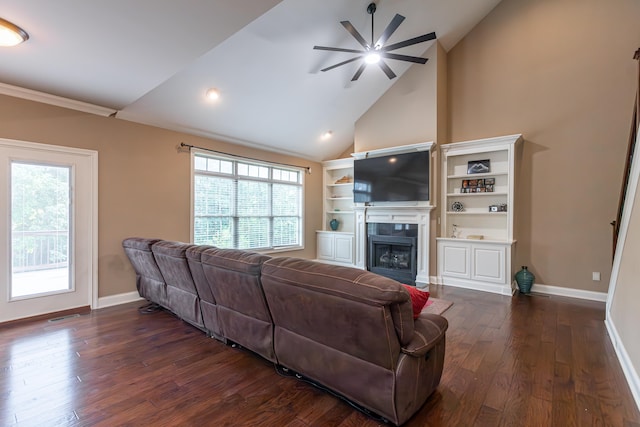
{"points": [[245, 204]]}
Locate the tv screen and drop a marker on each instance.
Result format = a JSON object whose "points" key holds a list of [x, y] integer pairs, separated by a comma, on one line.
{"points": [[393, 178]]}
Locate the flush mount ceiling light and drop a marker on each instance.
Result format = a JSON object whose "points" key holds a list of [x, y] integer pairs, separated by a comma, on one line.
{"points": [[327, 134], [11, 34], [212, 94]]}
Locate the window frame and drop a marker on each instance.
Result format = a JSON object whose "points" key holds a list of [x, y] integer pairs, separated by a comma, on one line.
{"points": [[236, 177]]}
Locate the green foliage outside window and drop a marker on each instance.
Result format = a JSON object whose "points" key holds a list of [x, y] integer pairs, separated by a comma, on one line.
{"points": [[242, 205]]}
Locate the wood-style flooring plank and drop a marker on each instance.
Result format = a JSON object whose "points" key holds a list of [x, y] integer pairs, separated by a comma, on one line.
{"points": [[510, 361]]}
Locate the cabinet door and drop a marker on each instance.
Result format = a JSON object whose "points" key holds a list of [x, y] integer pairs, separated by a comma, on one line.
{"points": [[325, 246], [488, 263], [455, 259], [344, 249]]}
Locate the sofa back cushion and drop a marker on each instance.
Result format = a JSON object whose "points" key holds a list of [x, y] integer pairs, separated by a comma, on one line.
{"points": [[207, 300], [149, 280], [194, 259], [234, 278], [339, 326], [329, 296], [182, 296]]}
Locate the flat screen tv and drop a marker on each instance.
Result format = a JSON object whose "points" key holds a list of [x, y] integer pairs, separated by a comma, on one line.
{"points": [[394, 178]]}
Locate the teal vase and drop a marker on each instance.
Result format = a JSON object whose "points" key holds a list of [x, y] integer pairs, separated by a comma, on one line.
{"points": [[334, 223], [525, 280]]}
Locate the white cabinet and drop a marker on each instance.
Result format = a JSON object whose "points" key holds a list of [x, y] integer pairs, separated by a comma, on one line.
{"points": [[479, 265], [337, 245], [477, 222]]}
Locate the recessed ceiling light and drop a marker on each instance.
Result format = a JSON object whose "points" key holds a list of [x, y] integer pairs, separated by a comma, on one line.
{"points": [[11, 34], [327, 134], [213, 94]]}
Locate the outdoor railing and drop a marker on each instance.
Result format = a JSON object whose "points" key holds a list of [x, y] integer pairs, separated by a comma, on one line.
{"points": [[39, 250]]}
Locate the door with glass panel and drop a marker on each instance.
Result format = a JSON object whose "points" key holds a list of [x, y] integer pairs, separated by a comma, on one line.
{"points": [[48, 228]]}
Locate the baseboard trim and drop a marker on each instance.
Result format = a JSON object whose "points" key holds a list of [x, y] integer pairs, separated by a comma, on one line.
{"points": [[538, 288], [569, 292], [118, 299], [476, 285], [631, 375]]}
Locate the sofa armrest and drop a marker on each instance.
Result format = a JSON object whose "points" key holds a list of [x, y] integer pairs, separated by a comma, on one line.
{"points": [[429, 329]]}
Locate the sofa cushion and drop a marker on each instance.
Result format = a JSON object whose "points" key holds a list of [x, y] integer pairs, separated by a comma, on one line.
{"points": [[172, 261], [207, 300], [182, 296], [418, 299], [139, 243], [243, 315], [194, 258], [149, 280], [337, 297]]}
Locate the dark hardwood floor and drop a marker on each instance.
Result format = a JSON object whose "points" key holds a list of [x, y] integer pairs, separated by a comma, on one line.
{"points": [[521, 361]]}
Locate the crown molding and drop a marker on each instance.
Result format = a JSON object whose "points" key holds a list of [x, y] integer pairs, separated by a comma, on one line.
{"points": [[45, 98], [421, 146]]}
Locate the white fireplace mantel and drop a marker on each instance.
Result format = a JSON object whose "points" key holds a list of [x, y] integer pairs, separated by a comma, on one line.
{"points": [[395, 214]]}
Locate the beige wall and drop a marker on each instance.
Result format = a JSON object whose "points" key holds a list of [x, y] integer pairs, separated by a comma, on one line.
{"points": [[561, 73], [144, 182], [406, 113]]}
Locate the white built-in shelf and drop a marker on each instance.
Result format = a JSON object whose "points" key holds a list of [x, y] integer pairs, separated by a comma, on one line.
{"points": [[490, 193], [337, 246], [476, 213], [340, 212], [482, 264], [477, 175]]}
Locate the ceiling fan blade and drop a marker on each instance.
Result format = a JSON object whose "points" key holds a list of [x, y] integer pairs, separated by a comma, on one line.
{"points": [[391, 28], [338, 49], [415, 59], [359, 71], [356, 35], [409, 42], [341, 63], [386, 69]]}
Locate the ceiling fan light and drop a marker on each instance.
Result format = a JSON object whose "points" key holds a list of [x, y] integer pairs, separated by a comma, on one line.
{"points": [[11, 34], [372, 58]]}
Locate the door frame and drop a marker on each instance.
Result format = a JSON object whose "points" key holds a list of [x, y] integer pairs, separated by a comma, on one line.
{"points": [[92, 244]]}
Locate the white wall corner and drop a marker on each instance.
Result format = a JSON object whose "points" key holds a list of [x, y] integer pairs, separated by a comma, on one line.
{"points": [[625, 361]]}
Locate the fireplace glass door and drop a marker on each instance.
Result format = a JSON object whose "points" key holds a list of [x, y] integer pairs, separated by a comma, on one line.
{"points": [[393, 257]]}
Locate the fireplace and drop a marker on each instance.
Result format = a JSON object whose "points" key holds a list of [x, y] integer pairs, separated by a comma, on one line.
{"points": [[394, 257], [395, 221]]}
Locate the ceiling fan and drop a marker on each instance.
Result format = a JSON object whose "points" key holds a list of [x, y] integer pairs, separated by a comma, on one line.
{"points": [[375, 53]]}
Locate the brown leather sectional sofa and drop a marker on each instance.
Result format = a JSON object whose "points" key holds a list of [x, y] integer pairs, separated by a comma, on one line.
{"points": [[345, 329]]}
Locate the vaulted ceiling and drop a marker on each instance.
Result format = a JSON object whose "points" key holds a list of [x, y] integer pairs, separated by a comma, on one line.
{"points": [[152, 61]]}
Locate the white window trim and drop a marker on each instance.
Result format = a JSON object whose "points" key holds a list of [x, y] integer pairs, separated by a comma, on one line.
{"points": [[195, 151]]}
